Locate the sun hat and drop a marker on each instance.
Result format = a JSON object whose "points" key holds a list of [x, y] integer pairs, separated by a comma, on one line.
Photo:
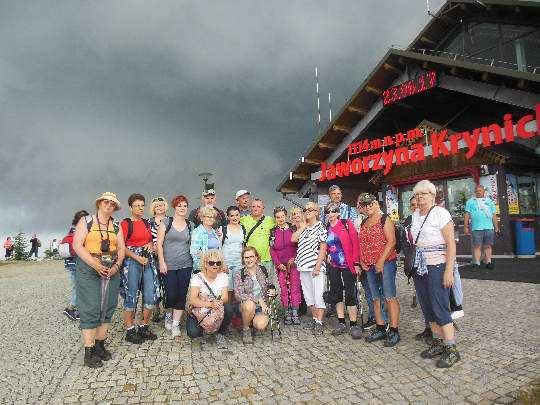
{"points": [[240, 193], [107, 195], [208, 192]]}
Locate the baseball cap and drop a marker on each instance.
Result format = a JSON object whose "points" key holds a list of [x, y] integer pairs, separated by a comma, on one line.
{"points": [[208, 192], [240, 193], [366, 198]]}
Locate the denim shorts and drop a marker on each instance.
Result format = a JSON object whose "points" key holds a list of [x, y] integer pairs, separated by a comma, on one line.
{"points": [[385, 281], [484, 237], [133, 274]]}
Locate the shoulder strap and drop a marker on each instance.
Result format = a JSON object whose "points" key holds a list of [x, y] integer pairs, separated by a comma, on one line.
{"points": [[207, 286], [89, 221], [116, 226], [243, 230], [345, 224], [169, 225], [224, 231], [264, 270], [421, 226], [130, 228], [253, 229], [147, 224]]}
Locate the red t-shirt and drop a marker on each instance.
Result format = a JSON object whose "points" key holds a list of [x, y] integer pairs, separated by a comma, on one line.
{"points": [[139, 237]]}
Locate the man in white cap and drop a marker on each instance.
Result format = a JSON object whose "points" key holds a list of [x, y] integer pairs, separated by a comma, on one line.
{"points": [[243, 202], [208, 199]]}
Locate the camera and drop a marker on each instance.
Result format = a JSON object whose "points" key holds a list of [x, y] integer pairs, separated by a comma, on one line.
{"points": [[105, 245]]}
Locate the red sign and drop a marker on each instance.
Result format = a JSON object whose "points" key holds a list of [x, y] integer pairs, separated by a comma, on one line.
{"points": [[441, 143], [422, 83]]}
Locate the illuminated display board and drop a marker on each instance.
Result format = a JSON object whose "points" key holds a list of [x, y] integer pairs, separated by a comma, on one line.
{"points": [[422, 83]]}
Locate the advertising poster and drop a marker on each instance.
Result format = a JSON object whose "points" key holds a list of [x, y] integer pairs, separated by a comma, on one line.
{"points": [[322, 200], [490, 184], [392, 205], [512, 194]]}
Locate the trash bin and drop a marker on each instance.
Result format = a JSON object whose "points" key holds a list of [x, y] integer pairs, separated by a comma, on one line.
{"points": [[525, 244]]}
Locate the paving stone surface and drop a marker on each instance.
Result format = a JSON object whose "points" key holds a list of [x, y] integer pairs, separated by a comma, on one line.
{"points": [[42, 356]]}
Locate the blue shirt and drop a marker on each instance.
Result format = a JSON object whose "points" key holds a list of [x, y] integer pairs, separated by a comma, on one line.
{"points": [[481, 211]]}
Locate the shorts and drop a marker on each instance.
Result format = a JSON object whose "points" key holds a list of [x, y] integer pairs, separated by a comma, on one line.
{"points": [[385, 281], [484, 237], [313, 288]]}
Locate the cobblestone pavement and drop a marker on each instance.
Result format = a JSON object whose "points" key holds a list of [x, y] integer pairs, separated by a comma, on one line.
{"points": [[42, 359]]}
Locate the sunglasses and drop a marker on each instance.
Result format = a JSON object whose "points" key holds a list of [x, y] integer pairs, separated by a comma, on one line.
{"points": [[334, 211], [308, 210], [158, 199], [213, 263]]}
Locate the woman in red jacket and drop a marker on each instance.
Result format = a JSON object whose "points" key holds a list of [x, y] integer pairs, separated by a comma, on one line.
{"points": [[283, 252], [342, 270]]}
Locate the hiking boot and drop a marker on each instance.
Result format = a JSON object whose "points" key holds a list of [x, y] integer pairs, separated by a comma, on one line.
{"points": [[221, 342], [475, 266], [490, 266], [175, 330], [156, 317], [133, 336], [377, 334], [392, 339], [309, 324], [246, 336], [436, 349], [288, 318], [340, 329], [356, 332], [370, 323], [91, 359], [70, 313], [296, 319], [424, 334], [318, 328], [450, 356], [77, 314], [168, 321], [100, 350], [146, 333]]}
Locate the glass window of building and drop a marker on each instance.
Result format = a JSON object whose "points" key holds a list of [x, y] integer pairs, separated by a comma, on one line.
{"points": [[526, 186], [459, 191]]}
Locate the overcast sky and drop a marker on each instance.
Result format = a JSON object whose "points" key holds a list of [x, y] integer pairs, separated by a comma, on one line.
{"points": [[141, 96]]}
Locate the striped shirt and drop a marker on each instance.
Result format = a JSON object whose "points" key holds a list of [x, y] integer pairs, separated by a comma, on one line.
{"points": [[308, 247]]}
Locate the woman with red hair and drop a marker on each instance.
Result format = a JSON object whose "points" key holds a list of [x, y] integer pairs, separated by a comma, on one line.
{"points": [[175, 262]]}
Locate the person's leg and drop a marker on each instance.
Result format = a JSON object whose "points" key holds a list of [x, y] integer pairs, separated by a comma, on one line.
{"points": [[319, 284], [228, 311], [476, 239], [336, 291], [132, 278], [367, 294], [390, 293], [375, 285], [150, 292], [260, 321], [282, 278], [247, 308], [296, 295], [349, 281], [488, 241], [184, 277]]}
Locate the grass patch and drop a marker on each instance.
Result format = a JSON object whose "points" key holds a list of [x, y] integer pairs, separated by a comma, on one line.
{"points": [[531, 394]]}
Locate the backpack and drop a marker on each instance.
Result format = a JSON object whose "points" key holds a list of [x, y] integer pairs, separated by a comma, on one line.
{"points": [[65, 248], [169, 226], [224, 232], [273, 233], [90, 220], [398, 230]]}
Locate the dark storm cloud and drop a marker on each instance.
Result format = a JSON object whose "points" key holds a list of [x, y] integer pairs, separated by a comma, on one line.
{"points": [[143, 95]]}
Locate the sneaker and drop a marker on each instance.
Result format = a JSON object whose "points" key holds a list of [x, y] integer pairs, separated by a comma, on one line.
{"points": [[450, 356], [288, 318], [424, 334], [91, 359], [457, 314], [376, 335], [146, 333], [221, 342], [475, 266], [77, 314], [70, 313], [340, 329], [246, 336], [133, 336], [318, 328], [175, 330], [309, 324], [370, 323], [490, 266], [392, 339], [168, 321], [436, 349], [296, 319], [356, 332]]}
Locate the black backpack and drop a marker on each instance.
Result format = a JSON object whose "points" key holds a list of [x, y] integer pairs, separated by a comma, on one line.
{"points": [[90, 220], [398, 230], [169, 226], [224, 232]]}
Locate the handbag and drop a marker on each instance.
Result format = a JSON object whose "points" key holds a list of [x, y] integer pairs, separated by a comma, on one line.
{"points": [[409, 251], [201, 320]]}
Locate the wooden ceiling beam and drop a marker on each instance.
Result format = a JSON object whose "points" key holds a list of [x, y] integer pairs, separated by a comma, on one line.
{"points": [[356, 110], [373, 90], [342, 129], [427, 40], [299, 176], [312, 162], [286, 190], [391, 68], [323, 145]]}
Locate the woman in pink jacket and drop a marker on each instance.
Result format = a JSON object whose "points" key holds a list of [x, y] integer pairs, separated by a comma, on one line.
{"points": [[283, 252], [343, 267]]}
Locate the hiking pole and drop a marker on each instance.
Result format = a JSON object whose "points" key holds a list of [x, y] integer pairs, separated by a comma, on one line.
{"points": [[359, 301], [288, 281]]}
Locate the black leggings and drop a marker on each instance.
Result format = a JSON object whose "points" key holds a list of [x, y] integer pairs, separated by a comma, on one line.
{"points": [[176, 288], [337, 285]]}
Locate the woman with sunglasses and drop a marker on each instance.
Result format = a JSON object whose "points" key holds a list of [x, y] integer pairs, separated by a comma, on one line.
{"points": [[175, 262], [377, 239], [250, 288], [204, 237], [158, 209], [99, 244], [209, 292], [310, 259], [283, 253], [342, 270]]}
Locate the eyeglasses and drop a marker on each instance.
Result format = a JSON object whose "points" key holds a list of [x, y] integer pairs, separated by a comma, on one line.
{"points": [[249, 257], [334, 211], [309, 210], [422, 194], [208, 216], [137, 206], [158, 199], [213, 263]]}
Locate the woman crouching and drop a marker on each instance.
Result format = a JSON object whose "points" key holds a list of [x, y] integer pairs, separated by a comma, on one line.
{"points": [[250, 288], [208, 299]]}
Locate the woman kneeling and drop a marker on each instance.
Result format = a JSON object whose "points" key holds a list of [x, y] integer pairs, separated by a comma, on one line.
{"points": [[250, 288]]}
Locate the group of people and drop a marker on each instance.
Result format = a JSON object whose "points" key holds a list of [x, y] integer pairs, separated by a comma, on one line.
{"points": [[216, 265]]}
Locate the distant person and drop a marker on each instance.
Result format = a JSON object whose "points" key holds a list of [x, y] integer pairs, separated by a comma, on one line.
{"points": [[204, 237], [208, 199], [70, 263], [54, 247], [99, 244], [35, 245], [345, 211], [481, 218], [259, 227], [243, 202], [9, 246]]}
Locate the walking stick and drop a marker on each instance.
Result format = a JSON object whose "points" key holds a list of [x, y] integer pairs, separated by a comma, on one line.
{"points": [[288, 280], [359, 301]]}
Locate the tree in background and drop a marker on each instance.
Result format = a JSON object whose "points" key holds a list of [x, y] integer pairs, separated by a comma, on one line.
{"points": [[20, 247]]}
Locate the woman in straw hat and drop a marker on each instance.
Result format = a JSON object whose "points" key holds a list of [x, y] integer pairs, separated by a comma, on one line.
{"points": [[99, 244]]}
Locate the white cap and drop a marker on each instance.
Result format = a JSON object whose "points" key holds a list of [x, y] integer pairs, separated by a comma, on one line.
{"points": [[240, 193]]}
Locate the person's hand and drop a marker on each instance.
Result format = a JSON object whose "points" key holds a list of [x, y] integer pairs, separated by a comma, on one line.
{"points": [[102, 270], [219, 233], [358, 269], [379, 266], [466, 230], [115, 268], [290, 263], [149, 246], [226, 269], [142, 260], [163, 267], [328, 259], [282, 267], [215, 304], [448, 278], [316, 270], [264, 307]]}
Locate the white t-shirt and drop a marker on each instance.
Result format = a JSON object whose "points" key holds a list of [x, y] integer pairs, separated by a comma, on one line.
{"points": [[217, 286], [308, 247], [431, 234]]}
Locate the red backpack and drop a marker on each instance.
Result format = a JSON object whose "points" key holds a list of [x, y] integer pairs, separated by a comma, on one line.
{"points": [[65, 248]]}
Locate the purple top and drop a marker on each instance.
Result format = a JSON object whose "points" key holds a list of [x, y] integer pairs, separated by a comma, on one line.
{"points": [[281, 247]]}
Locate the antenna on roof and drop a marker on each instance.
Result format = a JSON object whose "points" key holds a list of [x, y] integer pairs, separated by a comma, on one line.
{"points": [[318, 101], [429, 9], [330, 107]]}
